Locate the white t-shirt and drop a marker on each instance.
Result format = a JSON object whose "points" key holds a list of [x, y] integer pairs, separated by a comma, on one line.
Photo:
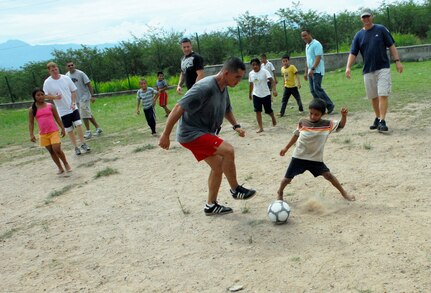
{"points": [[270, 67], [259, 80], [63, 86]]}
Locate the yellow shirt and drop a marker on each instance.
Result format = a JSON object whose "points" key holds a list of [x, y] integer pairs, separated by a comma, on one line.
{"points": [[289, 75]]}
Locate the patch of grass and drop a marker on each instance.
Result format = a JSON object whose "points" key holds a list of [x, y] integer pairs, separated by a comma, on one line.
{"points": [[347, 141], [295, 259], [255, 223], [367, 146], [245, 209], [144, 148], [57, 193], [248, 177], [8, 234], [89, 164], [364, 291], [108, 171], [183, 209]]}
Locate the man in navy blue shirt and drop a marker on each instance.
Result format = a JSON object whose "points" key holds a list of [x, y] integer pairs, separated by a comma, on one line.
{"points": [[372, 42]]}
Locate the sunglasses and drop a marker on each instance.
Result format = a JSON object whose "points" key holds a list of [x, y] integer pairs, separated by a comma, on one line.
{"points": [[366, 16], [70, 65]]}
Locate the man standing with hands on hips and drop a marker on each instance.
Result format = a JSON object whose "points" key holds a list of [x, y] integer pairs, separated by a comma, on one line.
{"points": [[372, 42], [192, 66]]}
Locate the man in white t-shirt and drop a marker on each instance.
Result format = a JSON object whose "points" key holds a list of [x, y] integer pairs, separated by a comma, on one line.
{"points": [[259, 92], [270, 67], [64, 90]]}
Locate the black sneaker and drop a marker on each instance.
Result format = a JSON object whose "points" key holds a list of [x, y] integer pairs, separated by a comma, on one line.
{"points": [[217, 209], [382, 126], [242, 193], [375, 124]]}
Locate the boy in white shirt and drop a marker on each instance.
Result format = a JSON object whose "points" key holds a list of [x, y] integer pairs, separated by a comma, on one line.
{"points": [[259, 92]]}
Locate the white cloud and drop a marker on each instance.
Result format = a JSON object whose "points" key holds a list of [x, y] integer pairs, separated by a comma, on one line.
{"points": [[97, 21]]}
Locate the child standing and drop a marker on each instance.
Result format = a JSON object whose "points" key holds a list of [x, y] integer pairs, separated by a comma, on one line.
{"points": [[46, 116], [162, 86], [148, 96], [311, 136], [259, 92], [291, 85]]}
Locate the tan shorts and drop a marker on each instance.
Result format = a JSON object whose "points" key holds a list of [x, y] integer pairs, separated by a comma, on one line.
{"points": [[378, 83], [84, 109], [49, 138]]}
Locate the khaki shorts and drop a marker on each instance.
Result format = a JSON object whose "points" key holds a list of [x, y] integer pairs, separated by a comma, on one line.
{"points": [[49, 138], [84, 109], [378, 83]]}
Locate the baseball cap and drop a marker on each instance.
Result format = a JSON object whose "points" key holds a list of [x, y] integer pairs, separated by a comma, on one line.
{"points": [[366, 12]]}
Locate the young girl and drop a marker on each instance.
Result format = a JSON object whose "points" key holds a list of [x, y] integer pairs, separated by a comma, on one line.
{"points": [[46, 116]]}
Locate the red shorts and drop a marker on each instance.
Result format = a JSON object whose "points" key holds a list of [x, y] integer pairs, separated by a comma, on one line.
{"points": [[204, 146], [163, 99]]}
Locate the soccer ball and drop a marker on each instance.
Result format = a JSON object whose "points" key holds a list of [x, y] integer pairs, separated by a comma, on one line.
{"points": [[278, 212]]}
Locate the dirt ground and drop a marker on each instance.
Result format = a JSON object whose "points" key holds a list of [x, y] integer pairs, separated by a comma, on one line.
{"points": [[144, 230]]}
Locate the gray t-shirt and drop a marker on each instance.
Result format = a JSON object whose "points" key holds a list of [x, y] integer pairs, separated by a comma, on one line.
{"points": [[80, 79], [205, 107]]}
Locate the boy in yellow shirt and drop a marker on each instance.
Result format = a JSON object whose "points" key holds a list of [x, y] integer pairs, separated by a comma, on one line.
{"points": [[291, 85]]}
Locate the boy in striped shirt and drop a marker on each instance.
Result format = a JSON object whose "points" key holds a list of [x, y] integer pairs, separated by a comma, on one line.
{"points": [[310, 138], [148, 96]]}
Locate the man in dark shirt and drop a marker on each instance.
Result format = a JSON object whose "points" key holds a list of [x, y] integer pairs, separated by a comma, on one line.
{"points": [[192, 66], [372, 42]]}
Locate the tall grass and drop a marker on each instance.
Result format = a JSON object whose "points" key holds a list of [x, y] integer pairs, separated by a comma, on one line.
{"points": [[131, 83]]}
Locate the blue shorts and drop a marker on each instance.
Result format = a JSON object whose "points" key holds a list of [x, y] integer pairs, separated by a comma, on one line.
{"points": [[265, 102], [299, 166]]}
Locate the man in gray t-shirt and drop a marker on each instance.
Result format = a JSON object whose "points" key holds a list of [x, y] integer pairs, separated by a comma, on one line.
{"points": [[201, 112], [85, 96]]}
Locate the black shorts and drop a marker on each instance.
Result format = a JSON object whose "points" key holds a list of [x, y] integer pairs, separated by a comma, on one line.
{"points": [[70, 118], [299, 166], [265, 102]]}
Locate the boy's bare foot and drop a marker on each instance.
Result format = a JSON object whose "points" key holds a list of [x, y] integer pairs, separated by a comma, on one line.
{"points": [[60, 171], [274, 122], [259, 130], [68, 168], [349, 197]]}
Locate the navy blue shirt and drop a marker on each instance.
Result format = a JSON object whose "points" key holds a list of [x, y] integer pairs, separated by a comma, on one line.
{"points": [[373, 44]]}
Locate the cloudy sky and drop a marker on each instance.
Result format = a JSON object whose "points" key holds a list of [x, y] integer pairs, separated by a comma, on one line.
{"points": [[94, 21]]}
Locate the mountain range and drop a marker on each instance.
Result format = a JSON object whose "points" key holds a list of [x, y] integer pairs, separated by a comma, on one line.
{"points": [[15, 53]]}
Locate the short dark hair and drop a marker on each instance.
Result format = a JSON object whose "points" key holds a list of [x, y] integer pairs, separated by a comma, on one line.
{"points": [[233, 64], [286, 57], [185, 40], [306, 30], [263, 55], [318, 104], [255, 60], [160, 72]]}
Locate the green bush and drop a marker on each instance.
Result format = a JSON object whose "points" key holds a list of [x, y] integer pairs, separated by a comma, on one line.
{"points": [[406, 39]]}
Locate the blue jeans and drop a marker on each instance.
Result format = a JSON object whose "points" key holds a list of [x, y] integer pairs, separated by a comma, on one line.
{"points": [[318, 92]]}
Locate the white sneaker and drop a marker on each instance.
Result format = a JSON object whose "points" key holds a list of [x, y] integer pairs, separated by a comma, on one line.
{"points": [[98, 131], [87, 134]]}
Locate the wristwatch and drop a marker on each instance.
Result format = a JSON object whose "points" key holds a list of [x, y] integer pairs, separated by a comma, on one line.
{"points": [[312, 68], [236, 126]]}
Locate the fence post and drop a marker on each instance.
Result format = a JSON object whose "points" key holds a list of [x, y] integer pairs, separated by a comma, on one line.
{"points": [[34, 79], [12, 96], [199, 46], [240, 45], [285, 33], [336, 32]]}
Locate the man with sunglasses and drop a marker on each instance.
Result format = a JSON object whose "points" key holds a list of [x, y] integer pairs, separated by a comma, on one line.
{"points": [[372, 41], [85, 96]]}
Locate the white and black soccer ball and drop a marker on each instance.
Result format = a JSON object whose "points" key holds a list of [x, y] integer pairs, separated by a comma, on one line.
{"points": [[278, 212]]}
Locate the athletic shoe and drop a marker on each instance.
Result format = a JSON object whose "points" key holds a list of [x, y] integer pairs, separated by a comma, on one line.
{"points": [[382, 126], [216, 209], [87, 134], [77, 151], [85, 147], [98, 131], [375, 124], [330, 110], [242, 193]]}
